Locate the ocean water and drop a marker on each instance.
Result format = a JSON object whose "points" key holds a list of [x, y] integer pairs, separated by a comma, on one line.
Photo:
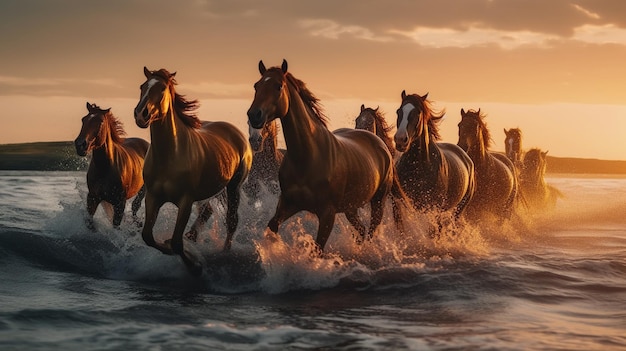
{"points": [[548, 281]]}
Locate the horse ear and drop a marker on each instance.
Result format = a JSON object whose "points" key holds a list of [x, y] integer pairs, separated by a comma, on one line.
{"points": [[262, 68], [478, 111], [88, 106], [377, 107], [146, 72], [362, 107], [403, 94], [173, 75], [425, 97], [545, 153], [107, 110], [284, 66], [462, 111], [506, 132]]}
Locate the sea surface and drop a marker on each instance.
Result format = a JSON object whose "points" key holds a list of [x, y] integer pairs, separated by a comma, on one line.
{"points": [[554, 280]]}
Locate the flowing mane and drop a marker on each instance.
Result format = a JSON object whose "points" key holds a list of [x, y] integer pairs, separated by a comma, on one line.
{"points": [[308, 98], [480, 119], [116, 126], [383, 129], [431, 116], [185, 109]]}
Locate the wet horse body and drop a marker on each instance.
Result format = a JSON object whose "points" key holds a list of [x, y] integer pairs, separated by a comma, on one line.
{"points": [[115, 170], [496, 179], [537, 192], [189, 160], [323, 172], [265, 162], [435, 175]]}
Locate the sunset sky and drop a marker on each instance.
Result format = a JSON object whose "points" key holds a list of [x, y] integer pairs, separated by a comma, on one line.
{"points": [[556, 69]]}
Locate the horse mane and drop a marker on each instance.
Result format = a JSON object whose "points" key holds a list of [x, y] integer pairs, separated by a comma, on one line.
{"points": [[308, 98], [483, 127], [185, 109], [115, 125], [382, 125], [432, 116]]}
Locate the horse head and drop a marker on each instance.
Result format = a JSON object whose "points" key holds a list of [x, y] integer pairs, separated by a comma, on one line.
{"points": [[416, 121], [366, 119], [473, 133], [155, 96], [271, 97], [513, 144], [90, 135]]}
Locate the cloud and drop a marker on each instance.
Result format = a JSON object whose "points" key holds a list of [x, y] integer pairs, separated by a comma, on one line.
{"points": [[332, 30], [446, 37], [586, 12], [604, 34]]}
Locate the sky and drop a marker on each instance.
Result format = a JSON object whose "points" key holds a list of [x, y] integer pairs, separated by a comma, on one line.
{"points": [[556, 69]]}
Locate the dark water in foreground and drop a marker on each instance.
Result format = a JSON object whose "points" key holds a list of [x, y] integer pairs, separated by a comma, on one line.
{"points": [[557, 283]]}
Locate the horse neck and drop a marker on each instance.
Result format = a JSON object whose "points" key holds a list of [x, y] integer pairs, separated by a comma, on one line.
{"points": [[270, 145], [478, 152], [167, 133], [423, 148], [301, 129]]}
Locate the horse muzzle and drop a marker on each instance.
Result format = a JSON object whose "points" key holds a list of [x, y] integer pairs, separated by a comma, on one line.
{"points": [[81, 147], [142, 118], [256, 118], [402, 143]]}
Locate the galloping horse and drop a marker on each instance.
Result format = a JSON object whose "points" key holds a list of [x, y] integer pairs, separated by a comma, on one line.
{"points": [[374, 121], [324, 173], [266, 160], [435, 175], [114, 173], [539, 194], [513, 145], [189, 160], [496, 179]]}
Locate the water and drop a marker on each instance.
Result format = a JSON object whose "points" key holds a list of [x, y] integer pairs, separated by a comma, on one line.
{"points": [[550, 282]]}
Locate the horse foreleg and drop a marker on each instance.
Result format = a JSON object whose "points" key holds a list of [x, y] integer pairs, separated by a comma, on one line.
{"points": [[136, 205], [232, 216], [92, 205], [184, 211], [152, 210], [282, 213], [326, 222], [397, 215], [118, 213], [378, 206], [205, 212], [353, 218]]}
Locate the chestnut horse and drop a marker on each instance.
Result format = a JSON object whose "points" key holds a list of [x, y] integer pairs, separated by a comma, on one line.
{"points": [[513, 145], [189, 160], [539, 194], [435, 175], [115, 170], [496, 178], [266, 160], [323, 172]]}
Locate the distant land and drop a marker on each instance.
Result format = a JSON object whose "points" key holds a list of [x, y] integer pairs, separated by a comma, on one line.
{"points": [[61, 156]]}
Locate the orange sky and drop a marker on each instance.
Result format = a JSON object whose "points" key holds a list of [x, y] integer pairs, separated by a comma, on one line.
{"points": [[556, 69]]}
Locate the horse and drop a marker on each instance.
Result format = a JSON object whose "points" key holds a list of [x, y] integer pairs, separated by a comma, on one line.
{"points": [[189, 160], [513, 145], [115, 169], [538, 194], [436, 176], [266, 160], [496, 178], [323, 172], [374, 121]]}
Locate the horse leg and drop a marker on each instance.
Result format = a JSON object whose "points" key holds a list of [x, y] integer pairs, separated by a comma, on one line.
{"points": [[152, 210], [282, 213], [176, 243], [92, 204], [137, 204], [232, 216], [205, 212], [326, 222], [118, 213], [353, 218], [377, 205]]}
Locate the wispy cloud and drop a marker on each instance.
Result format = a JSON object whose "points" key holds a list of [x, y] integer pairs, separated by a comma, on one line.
{"points": [[586, 12], [605, 34], [333, 30]]}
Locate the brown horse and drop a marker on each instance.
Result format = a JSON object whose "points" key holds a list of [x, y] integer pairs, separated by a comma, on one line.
{"points": [[435, 175], [539, 194], [496, 179], [374, 121], [189, 160], [513, 145], [266, 161], [115, 170], [323, 172]]}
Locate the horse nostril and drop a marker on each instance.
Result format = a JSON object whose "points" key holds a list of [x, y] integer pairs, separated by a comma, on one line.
{"points": [[144, 113], [255, 116]]}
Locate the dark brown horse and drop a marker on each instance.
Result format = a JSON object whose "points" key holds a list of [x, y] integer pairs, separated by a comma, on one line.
{"points": [[189, 160], [323, 172], [496, 179], [115, 170], [374, 121], [435, 175], [539, 194], [266, 161], [513, 145]]}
